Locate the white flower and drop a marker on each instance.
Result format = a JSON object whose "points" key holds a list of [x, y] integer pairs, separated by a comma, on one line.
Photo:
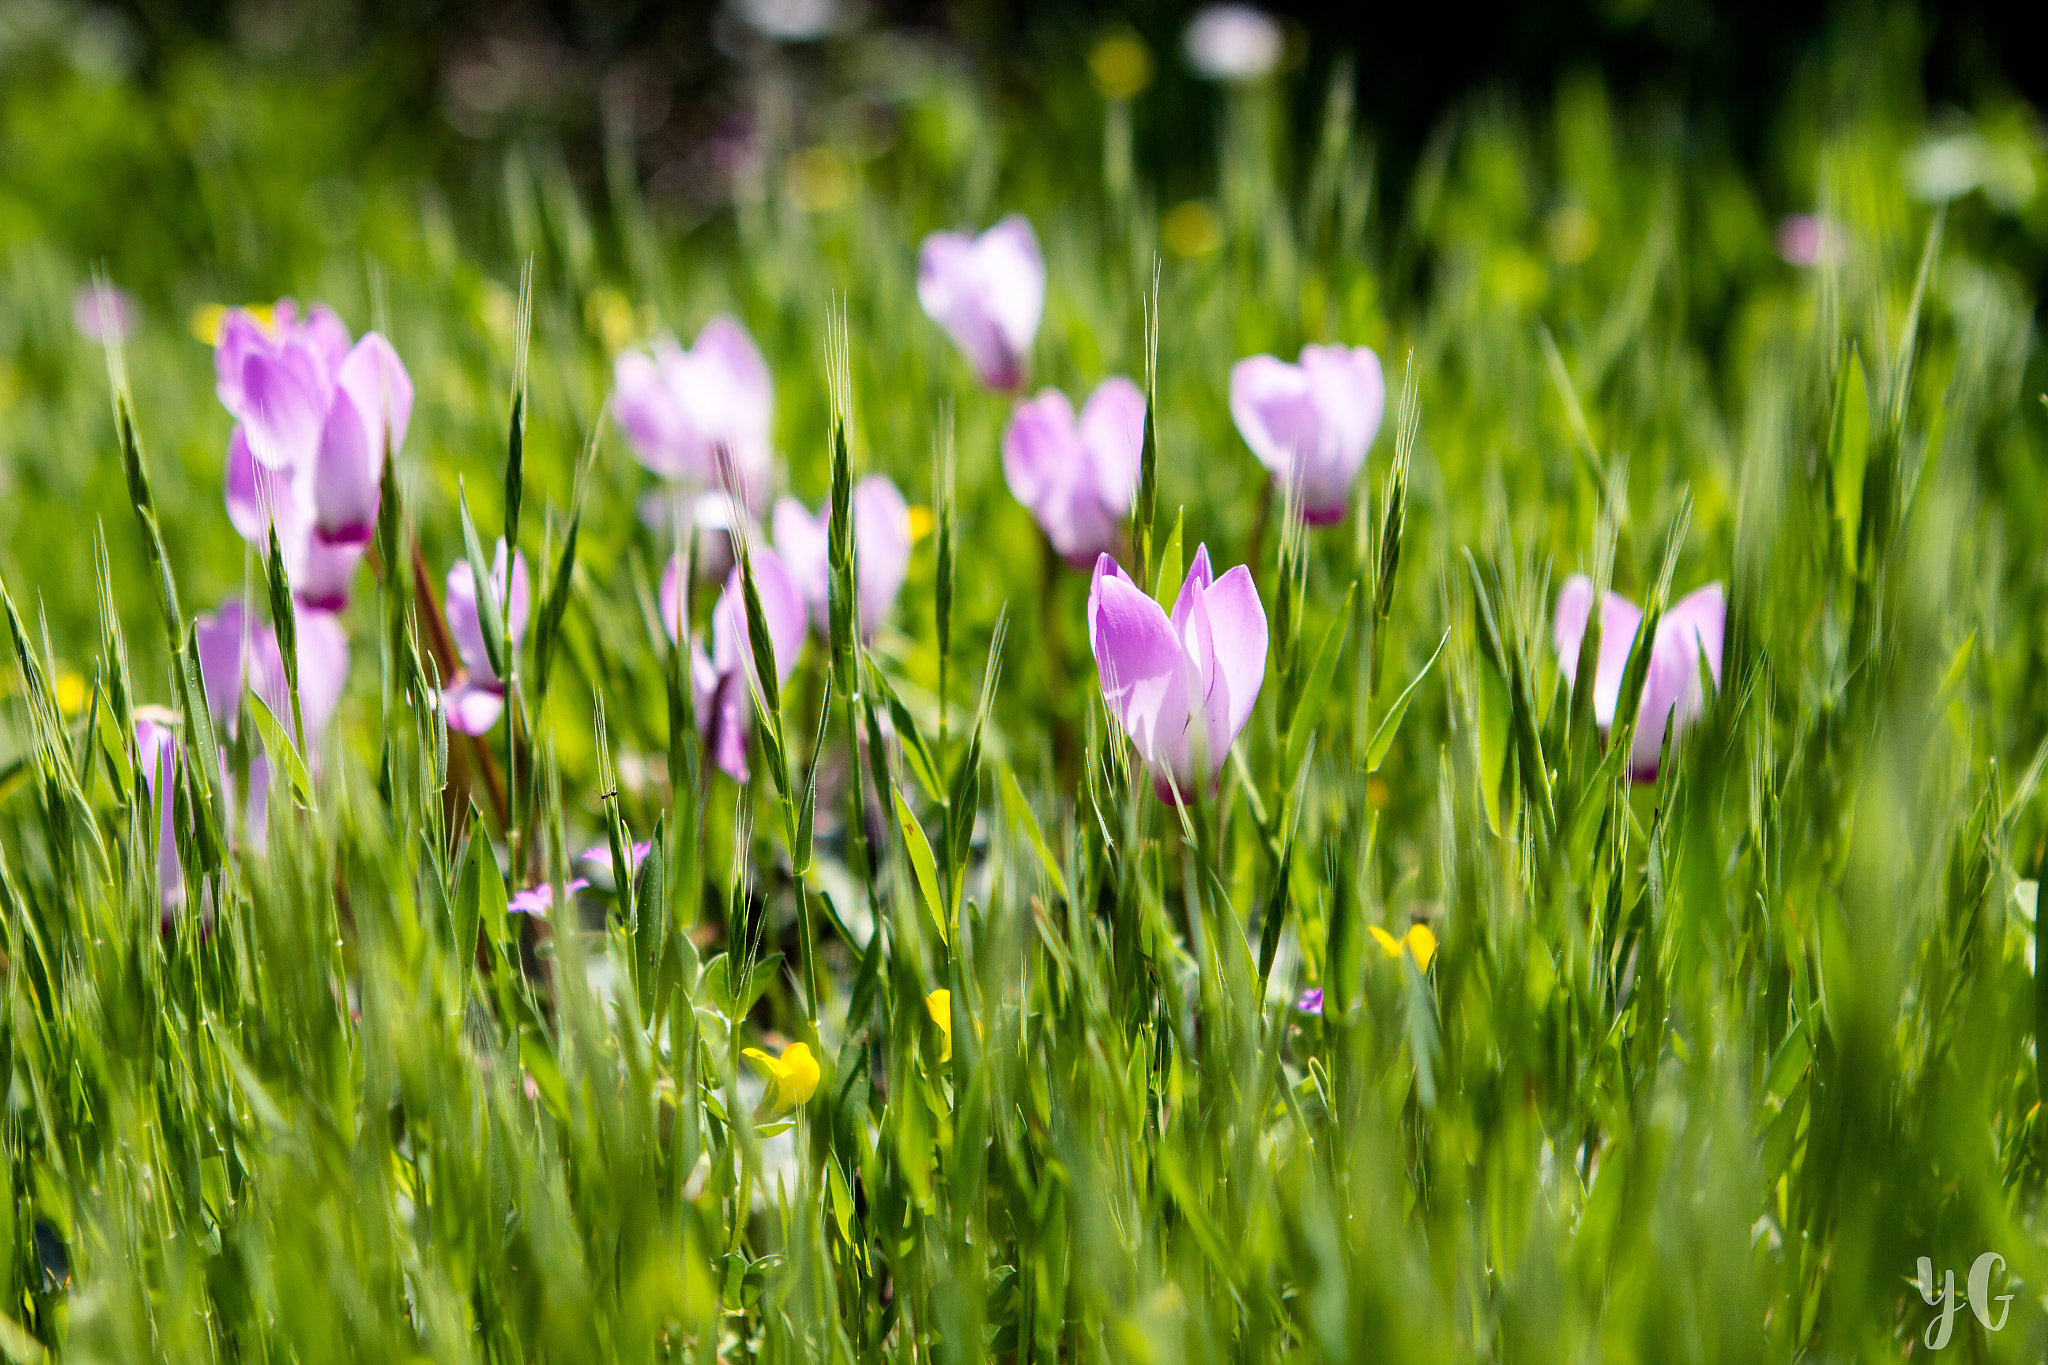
{"points": [[1237, 43]]}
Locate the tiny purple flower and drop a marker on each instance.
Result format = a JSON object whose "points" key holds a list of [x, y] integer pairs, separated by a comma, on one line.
{"points": [[538, 899], [102, 312], [720, 679], [1311, 1001]]}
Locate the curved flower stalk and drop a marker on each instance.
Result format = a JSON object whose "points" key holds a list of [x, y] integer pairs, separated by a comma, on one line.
{"points": [[988, 292], [1671, 689], [1183, 685], [1312, 422], [881, 538], [1078, 478], [720, 679], [687, 413], [476, 698], [315, 417], [239, 652]]}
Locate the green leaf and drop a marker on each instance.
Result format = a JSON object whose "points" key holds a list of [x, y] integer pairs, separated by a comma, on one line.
{"points": [[916, 753], [1383, 733], [1849, 453], [1022, 817], [282, 751], [1166, 583], [480, 895], [921, 862], [1308, 707]]}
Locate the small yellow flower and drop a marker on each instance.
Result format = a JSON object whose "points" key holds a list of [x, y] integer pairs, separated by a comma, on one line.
{"points": [[1191, 229], [921, 523], [71, 693], [939, 1005], [1420, 943], [1121, 66], [792, 1077]]}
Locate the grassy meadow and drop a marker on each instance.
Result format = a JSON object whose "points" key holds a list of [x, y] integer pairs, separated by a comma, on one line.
{"points": [[1698, 1068]]}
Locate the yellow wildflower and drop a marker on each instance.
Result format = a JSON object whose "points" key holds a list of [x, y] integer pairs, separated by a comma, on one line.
{"points": [[792, 1077], [1420, 943], [921, 523], [939, 1005], [208, 317], [72, 693]]}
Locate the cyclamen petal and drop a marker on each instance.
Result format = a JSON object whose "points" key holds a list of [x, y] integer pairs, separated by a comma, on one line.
{"points": [[988, 293], [157, 747], [1672, 699], [462, 609], [699, 415], [1311, 423]]}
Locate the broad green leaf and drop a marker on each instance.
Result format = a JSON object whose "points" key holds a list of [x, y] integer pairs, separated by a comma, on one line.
{"points": [[1850, 453], [282, 751], [922, 864], [480, 894], [1166, 582]]}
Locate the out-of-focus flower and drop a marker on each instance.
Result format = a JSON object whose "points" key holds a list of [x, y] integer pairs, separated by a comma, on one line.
{"points": [[1809, 240], [817, 179], [792, 21], [477, 697], [881, 543], [102, 312], [792, 1077], [1945, 166], [1078, 479], [1181, 686], [600, 855], [721, 678], [1236, 43], [157, 747], [680, 409], [315, 418], [1311, 423], [1573, 233], [988, 292], [1191, 228], [72, 693], [1671, 689], [1311, 1001], [1419, 943], [939, 1005], [538, 899], [1121, 66]]}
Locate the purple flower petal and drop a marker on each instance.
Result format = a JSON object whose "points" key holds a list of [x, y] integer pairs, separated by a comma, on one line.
{"points": [[1142, 667], [1672, 696], [474, 707], [157, 748], [675, 600], [462, 608], [805, 546], [102, 312], [1311, 423], [1311, 1001], [881, 533], [686, 411], [1619, 621], [1078, 479]]}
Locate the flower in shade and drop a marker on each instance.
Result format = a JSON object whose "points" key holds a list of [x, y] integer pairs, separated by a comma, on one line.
{"points": [[720, 679], [988, 292], [688, 414], [538, 899], [238, 653], [1690, 629], [1311, 423], [1078, 478], [939, 1005], [1236, 43], [1419, 943], [101, 312], [1181, 685], [315, 418], [1807, 239], [881, 543], [792, 1077], [1311, 1001], [157, 747], [477, 696]]}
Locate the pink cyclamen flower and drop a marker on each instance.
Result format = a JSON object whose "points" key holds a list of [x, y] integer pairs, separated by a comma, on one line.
{"points": [[1808, 240], [988, 292], [102, 312], [1181, 686], [681, 409], [477, 696], [1078, 478], [720, 680], [315, 418], [157, 747], [881, 543], [239, 652], [1671, 689], [1311, 423], [538, 899]]}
